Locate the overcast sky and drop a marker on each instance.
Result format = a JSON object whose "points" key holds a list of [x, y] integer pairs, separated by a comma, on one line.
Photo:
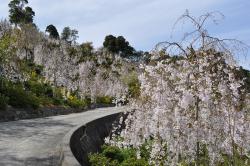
{"points": [[143, 23]]}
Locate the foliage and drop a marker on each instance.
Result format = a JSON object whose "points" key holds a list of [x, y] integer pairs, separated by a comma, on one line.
{"points": [[72, 51], [53, 33], [97, 160], [134, 162], [19, 98], [118, 45], [74, 102], [19, 13], [133, 84], [6, 50], [194, 107], [110, 43], [38, 88], [87, 49], [30, 68], [104, 100], [69, 35], [114, 156], [188, 98], [48, 70], [3, 102], [107, 63], [30, 94]]}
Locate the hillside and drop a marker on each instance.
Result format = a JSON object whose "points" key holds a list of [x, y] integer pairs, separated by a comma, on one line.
{"points": [[38, 71]]}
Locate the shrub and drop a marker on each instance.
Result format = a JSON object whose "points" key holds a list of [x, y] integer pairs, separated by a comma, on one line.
{"points": [[115, 156], [22, 99], [46, 101], [57, 96], [88, 100], [113, 152], [39, 89], [134, 162], [58, 101], [101, 160], [74, 102], [104, 100], [16, 95]]}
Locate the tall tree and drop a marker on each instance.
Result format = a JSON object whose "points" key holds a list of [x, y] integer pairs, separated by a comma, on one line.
{"points": [[65, 33], [123, 46], [19, 13], [53, 33], [110, 43], [118, 45], [69, 35], [28, 15]]}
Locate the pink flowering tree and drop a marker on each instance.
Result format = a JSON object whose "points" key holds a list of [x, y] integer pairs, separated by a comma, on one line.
{"points": [[193, 108]]}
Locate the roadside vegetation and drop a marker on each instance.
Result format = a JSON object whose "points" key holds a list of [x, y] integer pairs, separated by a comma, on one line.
{"points": [[189, 100], [114, 156], [47, 69], [192, 108]]}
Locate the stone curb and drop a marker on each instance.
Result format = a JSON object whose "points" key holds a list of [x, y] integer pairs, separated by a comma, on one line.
{"points": [[67, 157]]}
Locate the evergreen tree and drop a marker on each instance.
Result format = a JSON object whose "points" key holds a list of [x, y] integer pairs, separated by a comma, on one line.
{"points": [[118, 45], [69, 35], [110, 43], [19, 14], [53, 33]]}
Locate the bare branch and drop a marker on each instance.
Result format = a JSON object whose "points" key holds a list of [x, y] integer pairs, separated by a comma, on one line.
{"points": [[168, 46], [199, 37]]}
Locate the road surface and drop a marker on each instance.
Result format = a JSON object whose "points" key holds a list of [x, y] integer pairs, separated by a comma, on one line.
{"points": [[36, 142]]}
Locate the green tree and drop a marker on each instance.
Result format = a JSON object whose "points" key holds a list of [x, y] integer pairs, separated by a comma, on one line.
{"points": [[123, 46], [19, 13], [118, 45], [110, 43], [69, 35], [53, 33], [74, 35], [66, 33], [28, 15]]}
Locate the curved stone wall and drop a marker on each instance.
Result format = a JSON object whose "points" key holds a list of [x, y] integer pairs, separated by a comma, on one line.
{"points": [[85, 139]]}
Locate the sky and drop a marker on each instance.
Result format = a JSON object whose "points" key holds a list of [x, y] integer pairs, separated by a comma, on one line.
{"points": [[143, 23]]}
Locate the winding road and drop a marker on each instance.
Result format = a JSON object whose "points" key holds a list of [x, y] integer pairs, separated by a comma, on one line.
{"points": [[36, 142]]}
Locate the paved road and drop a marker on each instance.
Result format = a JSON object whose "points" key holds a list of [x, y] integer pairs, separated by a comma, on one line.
{"points": [[36, 142]]}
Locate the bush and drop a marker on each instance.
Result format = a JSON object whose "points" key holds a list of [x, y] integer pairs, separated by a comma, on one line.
{"points": [[134, 162], [101, 160], [104, 100], [58, 101], [40, 89], [19, 98], [88, 100], [57, 96], [16, 96], [46, 101], [115, 156], [113, 152], [74, 102], [3, 102]]}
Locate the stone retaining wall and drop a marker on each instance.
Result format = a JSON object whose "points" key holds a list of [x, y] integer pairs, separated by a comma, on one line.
{"points": [[85, 139]]}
